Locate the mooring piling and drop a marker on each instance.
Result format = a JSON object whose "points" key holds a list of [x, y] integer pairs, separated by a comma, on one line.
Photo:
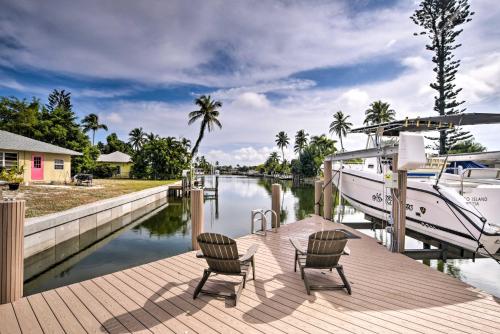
{"points": [[318, 185], [197, 216], [276, 204], [327, 190]]}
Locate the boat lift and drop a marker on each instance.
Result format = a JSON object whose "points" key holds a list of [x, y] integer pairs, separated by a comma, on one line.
{"points": [[398, 210]]}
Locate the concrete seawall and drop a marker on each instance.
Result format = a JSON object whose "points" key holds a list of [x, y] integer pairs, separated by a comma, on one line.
{"points": [[102, 218]]}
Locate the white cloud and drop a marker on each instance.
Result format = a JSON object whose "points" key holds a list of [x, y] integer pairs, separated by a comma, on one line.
{"points": [[278, 86], [245, 155], [113, 117], [169, 42], [248, 53], [251, 100], [101, 93], [481, 78]]}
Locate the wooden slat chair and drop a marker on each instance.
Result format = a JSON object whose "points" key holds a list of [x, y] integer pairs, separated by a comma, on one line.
{"points": [[323, 252], [221, 254]]}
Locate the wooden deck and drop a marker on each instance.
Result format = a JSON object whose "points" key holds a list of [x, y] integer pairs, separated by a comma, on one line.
{"points": [[391, 294]]}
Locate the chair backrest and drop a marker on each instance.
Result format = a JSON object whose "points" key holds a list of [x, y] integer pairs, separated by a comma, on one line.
{"points": [[325, 248], [220, 252]]}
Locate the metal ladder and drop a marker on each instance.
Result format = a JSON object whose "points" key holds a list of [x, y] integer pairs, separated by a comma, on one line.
{"points": [[259, 215]]}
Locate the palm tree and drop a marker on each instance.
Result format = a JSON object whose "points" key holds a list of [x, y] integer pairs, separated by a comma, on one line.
{"points": [[274, 157], [300, 141], [137, 137], [282, 141], [323, 144], [208, 113], [379, 112], [151, 136], [340, 126], [91, 122], [186, 143]]}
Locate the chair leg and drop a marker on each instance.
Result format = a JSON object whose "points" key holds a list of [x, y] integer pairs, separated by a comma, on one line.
{"points": [[253, 267], [296, 259], [306, 281], [340, 270], [238, 293], [244, 280], [200, 285]]}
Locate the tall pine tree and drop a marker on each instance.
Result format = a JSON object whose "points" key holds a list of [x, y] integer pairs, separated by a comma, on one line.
{"points": [[440, 20]]}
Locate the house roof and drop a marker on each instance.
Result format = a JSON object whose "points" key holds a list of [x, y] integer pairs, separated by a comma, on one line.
{"points": [[11, 141], [116, 156]]}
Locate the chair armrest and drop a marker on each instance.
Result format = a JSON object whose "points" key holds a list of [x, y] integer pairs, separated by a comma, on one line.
{"points": [[250, 253], [298, 247], [200, 254], [347, 251]]}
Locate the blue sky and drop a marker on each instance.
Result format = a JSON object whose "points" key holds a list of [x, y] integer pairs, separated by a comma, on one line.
{"points": [[275, 65]]}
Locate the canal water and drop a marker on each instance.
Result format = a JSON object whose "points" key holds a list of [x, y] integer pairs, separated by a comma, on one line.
{"points": [[167, 231]]}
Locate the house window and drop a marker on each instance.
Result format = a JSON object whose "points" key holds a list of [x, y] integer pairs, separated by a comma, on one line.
{"points": [[8, 160], [58, 164], [37, 162]]}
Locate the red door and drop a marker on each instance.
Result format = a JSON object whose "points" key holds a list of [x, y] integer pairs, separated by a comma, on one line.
{"points": [[37, 167]]}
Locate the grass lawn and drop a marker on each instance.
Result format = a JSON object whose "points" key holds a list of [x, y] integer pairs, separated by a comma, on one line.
{"points": [[45, 199]]}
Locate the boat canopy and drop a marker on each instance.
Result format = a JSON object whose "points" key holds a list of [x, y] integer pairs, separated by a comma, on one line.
{"points": [[434, 123], [476, 156]]}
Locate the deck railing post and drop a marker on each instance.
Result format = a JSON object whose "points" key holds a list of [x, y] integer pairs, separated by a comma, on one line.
{"points": [[318, 187], [197, 216], [276, 204], [327, 190], [12, 214]]}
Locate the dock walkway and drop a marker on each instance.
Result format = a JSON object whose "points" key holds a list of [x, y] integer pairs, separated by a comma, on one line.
{"points": [[391, 294]]}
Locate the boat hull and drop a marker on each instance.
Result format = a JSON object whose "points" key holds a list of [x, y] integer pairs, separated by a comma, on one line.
{"points": [[437, 213]]}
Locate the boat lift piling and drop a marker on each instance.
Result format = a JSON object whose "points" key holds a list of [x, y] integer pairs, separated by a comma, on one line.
{"points": [[187, 184], [399, 206], [328, 190], [398, 209]]}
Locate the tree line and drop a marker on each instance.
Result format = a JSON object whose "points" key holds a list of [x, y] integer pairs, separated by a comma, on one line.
{"points": [[312, 151], [153, 156]]}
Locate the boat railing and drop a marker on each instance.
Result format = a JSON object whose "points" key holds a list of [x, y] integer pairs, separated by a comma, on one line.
{"points": [[478, 175]]}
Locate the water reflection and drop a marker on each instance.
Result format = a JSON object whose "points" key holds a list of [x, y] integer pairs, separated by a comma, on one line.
{"points": [[449, 267], [174, 219], [168, 233]]}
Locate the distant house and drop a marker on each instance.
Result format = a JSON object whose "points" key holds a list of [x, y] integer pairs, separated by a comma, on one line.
{"points": [[122, 163], [42, 162]]}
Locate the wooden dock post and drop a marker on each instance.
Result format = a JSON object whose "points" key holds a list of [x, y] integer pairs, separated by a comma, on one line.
{"points": [[12, 214], [399, 207], [197, 216], [276, 204], [327, 190], [402, 184], [318, 187]]}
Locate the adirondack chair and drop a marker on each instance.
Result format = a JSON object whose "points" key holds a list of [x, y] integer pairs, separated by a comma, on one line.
{"points": [[323, 252], [221, 254]]}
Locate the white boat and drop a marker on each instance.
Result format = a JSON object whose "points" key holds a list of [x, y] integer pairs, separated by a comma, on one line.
{"points": [[438, 211]]}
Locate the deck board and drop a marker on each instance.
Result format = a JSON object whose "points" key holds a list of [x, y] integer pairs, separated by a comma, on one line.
{"points": [[26, 318], [391, 294]]}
